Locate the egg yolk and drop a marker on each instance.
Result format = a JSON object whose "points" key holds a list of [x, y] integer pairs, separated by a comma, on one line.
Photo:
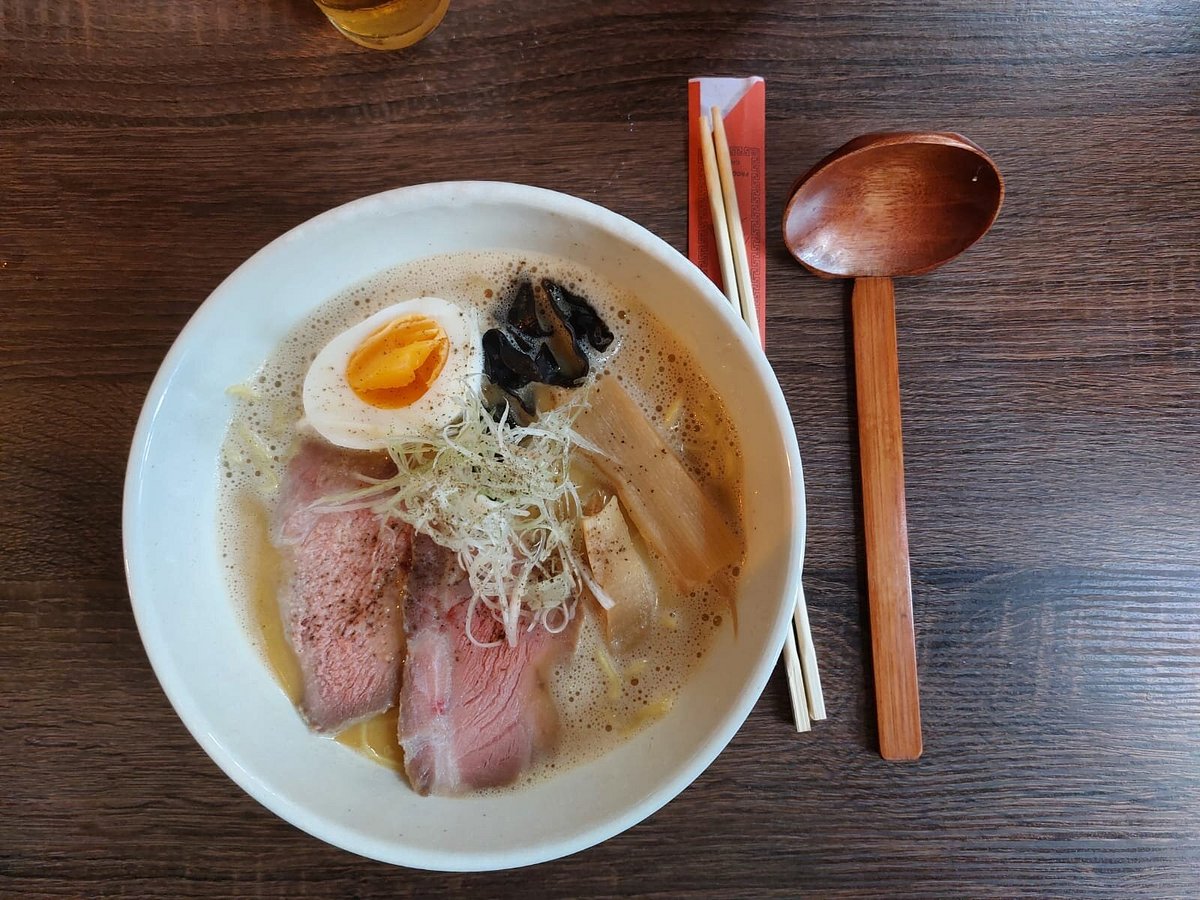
{"points": [[399, 362]]}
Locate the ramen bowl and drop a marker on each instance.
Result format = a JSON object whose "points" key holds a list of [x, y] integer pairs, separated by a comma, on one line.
{"points": [[194, 633]]}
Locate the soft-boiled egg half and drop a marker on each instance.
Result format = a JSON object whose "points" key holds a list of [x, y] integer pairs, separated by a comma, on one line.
{"points": [[403, 372]]}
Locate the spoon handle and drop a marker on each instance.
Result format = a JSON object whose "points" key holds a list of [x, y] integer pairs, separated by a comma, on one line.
{"points": [[889, 587]]}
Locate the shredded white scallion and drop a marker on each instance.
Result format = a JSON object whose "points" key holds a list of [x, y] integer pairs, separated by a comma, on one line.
{"points": [[500, 497]]}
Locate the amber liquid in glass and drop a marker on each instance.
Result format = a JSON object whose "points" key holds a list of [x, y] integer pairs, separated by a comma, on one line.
{"points": [[384, 24]]}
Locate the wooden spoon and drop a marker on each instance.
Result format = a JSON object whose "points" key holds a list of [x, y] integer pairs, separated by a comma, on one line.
{"points": [[881, 206]]}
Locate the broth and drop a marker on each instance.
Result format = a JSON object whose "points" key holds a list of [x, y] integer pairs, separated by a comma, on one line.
{"points": [[602, 695]]}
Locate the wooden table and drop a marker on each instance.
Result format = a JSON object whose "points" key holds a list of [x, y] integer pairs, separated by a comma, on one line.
{"points": [[1051, 413]]}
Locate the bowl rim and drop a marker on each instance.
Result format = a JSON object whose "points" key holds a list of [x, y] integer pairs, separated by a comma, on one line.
{"points": [[184, 704]]}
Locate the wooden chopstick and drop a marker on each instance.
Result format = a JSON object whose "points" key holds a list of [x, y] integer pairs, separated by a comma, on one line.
{"points": [[808, 658], [737, 238], [717, 205], [795, 674], [799, 655]]}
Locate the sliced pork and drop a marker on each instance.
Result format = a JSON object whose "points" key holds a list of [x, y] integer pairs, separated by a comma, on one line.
{"points": [[346, 576], [470, 717]]}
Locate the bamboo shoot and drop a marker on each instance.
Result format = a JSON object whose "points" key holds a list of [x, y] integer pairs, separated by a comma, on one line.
{"points": [[674, 516]]}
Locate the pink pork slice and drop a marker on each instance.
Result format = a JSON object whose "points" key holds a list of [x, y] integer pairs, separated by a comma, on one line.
{"points": [[470, 717], [346, 575]]}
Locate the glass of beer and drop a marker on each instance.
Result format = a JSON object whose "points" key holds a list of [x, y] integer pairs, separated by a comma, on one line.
{"points": [[384, 24]]}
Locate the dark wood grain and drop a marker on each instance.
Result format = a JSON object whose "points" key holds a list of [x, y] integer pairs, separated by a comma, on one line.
{"points": [[1051, 408]]}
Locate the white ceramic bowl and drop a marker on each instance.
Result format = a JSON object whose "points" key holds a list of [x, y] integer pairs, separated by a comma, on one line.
{"points": [[215, 677]]}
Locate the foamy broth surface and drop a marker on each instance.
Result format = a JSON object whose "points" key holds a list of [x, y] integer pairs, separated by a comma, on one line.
{"points": [[602, 695]]}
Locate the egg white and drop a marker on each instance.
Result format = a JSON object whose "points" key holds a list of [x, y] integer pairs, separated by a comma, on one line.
{"points": [[333, 409]]}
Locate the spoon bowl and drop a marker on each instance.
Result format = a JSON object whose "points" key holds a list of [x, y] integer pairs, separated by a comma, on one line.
{"points": [[892, 204]]}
